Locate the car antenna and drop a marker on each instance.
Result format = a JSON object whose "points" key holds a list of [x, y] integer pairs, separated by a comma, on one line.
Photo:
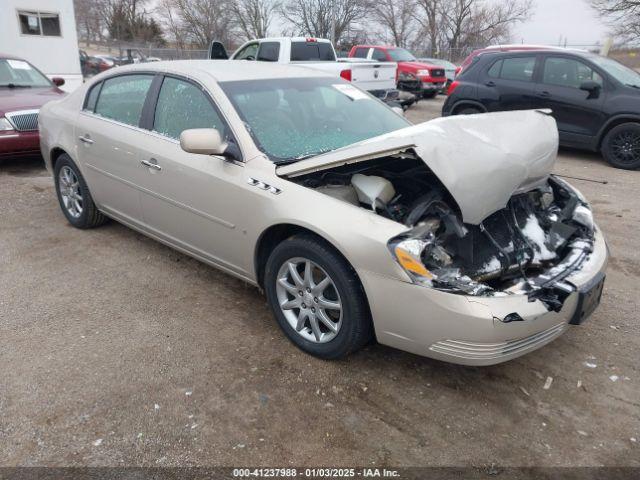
{"points": [[603, 182]]}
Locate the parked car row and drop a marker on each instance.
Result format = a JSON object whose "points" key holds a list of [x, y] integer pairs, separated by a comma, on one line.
{"points": [[92, 65]]}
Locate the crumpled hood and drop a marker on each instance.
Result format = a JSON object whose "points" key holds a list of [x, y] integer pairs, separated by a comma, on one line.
{"points": [[481, 159]]}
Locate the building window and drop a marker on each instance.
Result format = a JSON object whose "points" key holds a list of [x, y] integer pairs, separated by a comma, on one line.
{"points": [[40, 23]]}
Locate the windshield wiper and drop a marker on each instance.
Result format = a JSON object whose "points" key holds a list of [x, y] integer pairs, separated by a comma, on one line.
{"points": [[15, 85], [633, 85]]}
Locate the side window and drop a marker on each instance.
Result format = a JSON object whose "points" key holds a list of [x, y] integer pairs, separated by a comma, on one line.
{"points": [[247, 53], [181, 106], [519, 68], [269, 51], [379, 55], [122, 98], [494, 71], [361, 52], [567, 72], [92, 97]]}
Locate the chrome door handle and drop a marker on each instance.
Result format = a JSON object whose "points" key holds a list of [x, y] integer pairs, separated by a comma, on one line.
{"points": [[149, 164], [86, 139]]}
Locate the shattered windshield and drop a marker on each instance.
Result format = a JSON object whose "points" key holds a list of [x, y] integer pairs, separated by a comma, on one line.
{"points": [[294, 118]]}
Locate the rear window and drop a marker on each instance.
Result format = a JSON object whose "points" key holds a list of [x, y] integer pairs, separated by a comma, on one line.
{"points": [[122, 98], [520, 69], [310, 51]]}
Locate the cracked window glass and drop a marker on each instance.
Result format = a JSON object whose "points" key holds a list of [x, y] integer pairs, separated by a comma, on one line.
{"points": [[294, 118]]}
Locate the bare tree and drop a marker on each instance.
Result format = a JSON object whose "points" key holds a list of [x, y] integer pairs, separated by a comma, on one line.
{"points": [[197, 22], [428, 16], [469, 23], [622, 15], [314, 17], [172, 22], [253, 18], [397, 19], [90, 19]]}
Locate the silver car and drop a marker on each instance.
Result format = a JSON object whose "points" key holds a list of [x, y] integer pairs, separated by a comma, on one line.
{"points": [[449, 239]]}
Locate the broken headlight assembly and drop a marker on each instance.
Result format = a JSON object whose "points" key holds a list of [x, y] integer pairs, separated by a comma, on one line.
{"points": [[429, 264], [509, 252]]}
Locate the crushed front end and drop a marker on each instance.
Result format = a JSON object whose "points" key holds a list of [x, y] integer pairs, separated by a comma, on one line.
{"points": [[525, 273], [529, 247]]}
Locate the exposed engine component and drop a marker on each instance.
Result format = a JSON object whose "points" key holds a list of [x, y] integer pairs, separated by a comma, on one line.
{"points": [[345, 193], [516, 249], [373, 191]]}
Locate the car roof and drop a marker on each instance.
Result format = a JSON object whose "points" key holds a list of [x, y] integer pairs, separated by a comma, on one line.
{"points": [[534, 51], [386, 47], [226, 70], [293, 39]]}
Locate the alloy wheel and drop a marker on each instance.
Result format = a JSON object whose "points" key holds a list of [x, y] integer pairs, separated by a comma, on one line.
{"points": [[625, 146], [70, 191], [309, 300]]}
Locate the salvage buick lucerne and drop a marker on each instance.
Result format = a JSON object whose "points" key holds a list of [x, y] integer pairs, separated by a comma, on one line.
{"points": [[449, 239]]}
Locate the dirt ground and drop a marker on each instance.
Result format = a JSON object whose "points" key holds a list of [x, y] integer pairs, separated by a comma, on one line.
{"points": [[116, 350]]}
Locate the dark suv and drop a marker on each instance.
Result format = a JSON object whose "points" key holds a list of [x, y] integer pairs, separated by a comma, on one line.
{"points": [[595, 100]]}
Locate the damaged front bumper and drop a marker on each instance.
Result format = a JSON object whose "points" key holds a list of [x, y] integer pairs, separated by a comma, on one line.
{"points": [[483, 330]]}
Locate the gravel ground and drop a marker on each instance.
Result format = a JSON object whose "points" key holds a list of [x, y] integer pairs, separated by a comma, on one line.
{"points": [[116, 350]]}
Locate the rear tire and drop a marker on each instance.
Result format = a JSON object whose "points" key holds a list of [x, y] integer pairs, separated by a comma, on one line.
{"points": [[621, 146], [73, 195], [429, 94], [468, 111], [291, 299]]}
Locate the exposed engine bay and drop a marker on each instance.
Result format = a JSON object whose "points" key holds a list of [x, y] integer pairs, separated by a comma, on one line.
{"points": [[528, 247]]}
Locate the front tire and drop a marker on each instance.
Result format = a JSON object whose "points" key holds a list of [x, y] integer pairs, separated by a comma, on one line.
{"points": [[429, 95], [621, 146], [74, 196], [317, 298]]}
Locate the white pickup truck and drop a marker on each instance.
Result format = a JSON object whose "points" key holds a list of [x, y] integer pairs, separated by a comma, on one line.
{"points": [[378, 78]]}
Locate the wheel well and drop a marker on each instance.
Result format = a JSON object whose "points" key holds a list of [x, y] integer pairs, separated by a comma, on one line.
{"points": [[614, 124], [55, 154], [273, 236]]}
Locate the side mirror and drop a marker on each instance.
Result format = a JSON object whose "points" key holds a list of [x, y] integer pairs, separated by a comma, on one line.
{"points": [[592, 87], [204, 141], [58, 81], [217, 51]]}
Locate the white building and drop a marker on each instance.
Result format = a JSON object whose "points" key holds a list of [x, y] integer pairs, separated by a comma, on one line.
{"points": [[42, 32]]}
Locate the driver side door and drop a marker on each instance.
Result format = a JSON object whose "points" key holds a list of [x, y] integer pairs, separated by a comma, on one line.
{"points": [[195, 202]]}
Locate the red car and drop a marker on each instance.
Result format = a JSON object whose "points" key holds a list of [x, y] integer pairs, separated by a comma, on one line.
{"points": [[501, 48], [413, 75], [23, 90]]}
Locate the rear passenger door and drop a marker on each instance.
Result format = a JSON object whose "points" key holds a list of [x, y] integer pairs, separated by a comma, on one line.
{"points": [[578, 113], [107, 136], [508, 83]]}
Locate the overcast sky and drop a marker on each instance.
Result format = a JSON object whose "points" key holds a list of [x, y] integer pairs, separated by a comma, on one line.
{"points": [[573, 19]]}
